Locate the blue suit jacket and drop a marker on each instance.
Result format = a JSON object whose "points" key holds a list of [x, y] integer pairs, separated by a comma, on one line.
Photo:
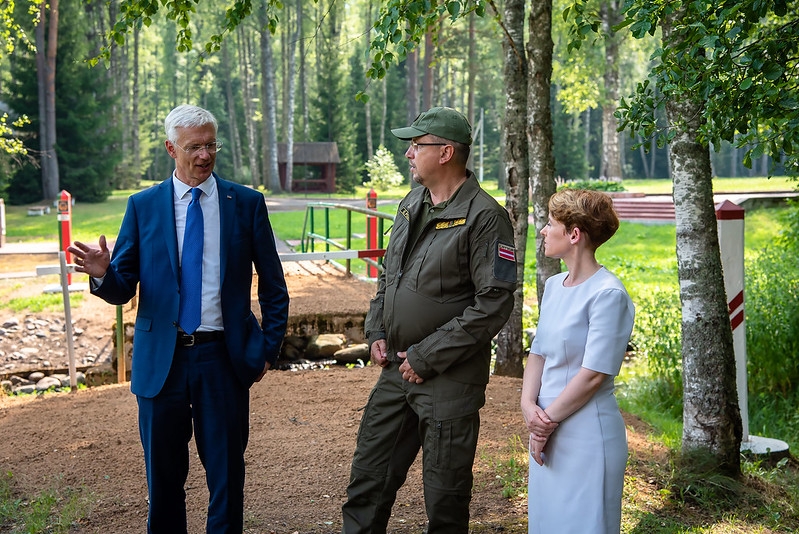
{"points": [[146, 254]]}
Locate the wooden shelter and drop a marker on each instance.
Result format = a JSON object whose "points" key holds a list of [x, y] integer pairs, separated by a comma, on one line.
{"points": [[319, 166]]}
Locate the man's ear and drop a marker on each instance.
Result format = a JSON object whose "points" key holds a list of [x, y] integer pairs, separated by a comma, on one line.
{"points": [[447, 154], [170, 149]]}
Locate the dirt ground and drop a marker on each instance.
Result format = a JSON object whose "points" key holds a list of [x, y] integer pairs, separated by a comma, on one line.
{"points": [[303, 429]]}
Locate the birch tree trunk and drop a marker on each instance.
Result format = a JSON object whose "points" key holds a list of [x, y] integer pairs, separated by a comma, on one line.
{"points": [[235, 139], [245, 60], [302, 74], [290, 99], [427, 72], [711, 417], [367, 108], [412, 84], [471, 80], [135, 144], [510, 341], [539, 131], [383, 111], [271, 178], [611, 154]]}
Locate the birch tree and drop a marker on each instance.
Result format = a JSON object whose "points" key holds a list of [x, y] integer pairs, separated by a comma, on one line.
{"points": [[245, 61], [510, 341], [539, 131], [271, 178], [711, 419]]}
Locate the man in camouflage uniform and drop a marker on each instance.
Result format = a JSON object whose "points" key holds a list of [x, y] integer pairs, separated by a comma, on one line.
{"points": [[445, 291]]}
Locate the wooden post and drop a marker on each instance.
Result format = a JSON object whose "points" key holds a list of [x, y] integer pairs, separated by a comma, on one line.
{"points": [[122, 361]]}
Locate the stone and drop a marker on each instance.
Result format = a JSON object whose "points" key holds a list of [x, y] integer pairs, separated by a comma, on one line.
{"points": [[47, 382], [26, 389], [36, 376], [62, 378], [11, 322], [358, 354], [324, 346]]}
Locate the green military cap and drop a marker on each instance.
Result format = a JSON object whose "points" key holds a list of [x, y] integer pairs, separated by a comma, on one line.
{"points": [[446, 123]]}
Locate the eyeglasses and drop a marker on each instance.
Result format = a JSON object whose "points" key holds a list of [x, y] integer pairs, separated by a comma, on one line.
{"points": [[415, 146], [212, 148]]}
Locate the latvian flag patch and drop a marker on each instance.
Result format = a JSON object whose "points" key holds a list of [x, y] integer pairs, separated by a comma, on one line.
{"points": [[506, 252]]}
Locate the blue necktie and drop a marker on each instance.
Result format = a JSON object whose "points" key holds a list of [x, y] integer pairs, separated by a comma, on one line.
{"points": [[191, 266]]}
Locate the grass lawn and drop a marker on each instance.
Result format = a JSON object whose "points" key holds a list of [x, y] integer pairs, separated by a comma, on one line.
{"points": [[91, 220]]}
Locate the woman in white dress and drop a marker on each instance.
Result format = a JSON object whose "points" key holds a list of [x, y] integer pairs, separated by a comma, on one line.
{"points": [[578, 441]]}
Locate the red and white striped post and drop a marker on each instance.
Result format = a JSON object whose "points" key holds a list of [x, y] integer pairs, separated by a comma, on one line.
{"points": [[371, 230], [730, 221], [65, 226]]}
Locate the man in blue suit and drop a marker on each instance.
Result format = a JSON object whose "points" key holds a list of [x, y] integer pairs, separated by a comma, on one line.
{"points": [[197, 346]]}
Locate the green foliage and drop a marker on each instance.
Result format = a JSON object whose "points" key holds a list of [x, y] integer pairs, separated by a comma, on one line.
{"points": [[774, 416], [657, 346], [596, 185], [49, 302], [332, 105], [511, 468], [567, 146], [383, 172], [135, 13], [696, 480], [87, 138], [55, 509], [402, 24], [772, 314], [737, 58], [11, 32], [8, 143]]}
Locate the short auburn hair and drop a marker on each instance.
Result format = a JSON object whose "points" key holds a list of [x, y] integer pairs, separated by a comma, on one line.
{"points": [[590, 211]]}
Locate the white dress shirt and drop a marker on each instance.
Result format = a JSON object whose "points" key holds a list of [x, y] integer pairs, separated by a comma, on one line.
{"points": [[211, 316]]}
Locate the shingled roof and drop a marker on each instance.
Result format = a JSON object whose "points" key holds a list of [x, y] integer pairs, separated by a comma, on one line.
{"points": [[310, 153]]}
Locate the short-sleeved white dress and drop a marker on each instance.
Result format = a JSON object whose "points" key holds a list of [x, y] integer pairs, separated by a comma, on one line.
{"points": [[578, 490]]}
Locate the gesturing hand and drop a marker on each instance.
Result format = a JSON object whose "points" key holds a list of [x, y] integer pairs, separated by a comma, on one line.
{"points": [[90, 260]]}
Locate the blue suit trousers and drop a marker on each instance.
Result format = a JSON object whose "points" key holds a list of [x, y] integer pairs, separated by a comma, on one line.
{"points": [[201, 396]]}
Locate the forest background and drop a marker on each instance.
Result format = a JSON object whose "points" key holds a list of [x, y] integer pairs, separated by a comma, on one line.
{"points": [[109, 121], [109, 118]]}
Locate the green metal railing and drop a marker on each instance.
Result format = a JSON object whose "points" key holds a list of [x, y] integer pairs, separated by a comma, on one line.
{"points": [[311, 233]]}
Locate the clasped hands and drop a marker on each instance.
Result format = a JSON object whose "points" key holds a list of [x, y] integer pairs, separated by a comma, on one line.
{"points": [[540, 427], [377, 353]]}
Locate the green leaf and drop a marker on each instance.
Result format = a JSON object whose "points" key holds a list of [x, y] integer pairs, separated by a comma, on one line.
{"points": [[454, 9], [773, 71]]}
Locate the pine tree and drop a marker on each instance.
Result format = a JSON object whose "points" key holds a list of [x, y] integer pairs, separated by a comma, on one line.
{"points": [[88, 141]]}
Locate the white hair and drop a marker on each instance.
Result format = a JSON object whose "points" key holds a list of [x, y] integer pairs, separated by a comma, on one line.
{"points": [[187, 116]]}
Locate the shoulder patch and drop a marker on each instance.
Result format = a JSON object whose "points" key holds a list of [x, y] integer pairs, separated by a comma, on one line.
{"points": [[505, 262], [443, 225], [506, 252], [405, 213]]}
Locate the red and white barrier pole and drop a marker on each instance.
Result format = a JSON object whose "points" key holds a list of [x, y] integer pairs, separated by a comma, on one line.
{"points": [[371, 230], [730, 221], [65, 226]]}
